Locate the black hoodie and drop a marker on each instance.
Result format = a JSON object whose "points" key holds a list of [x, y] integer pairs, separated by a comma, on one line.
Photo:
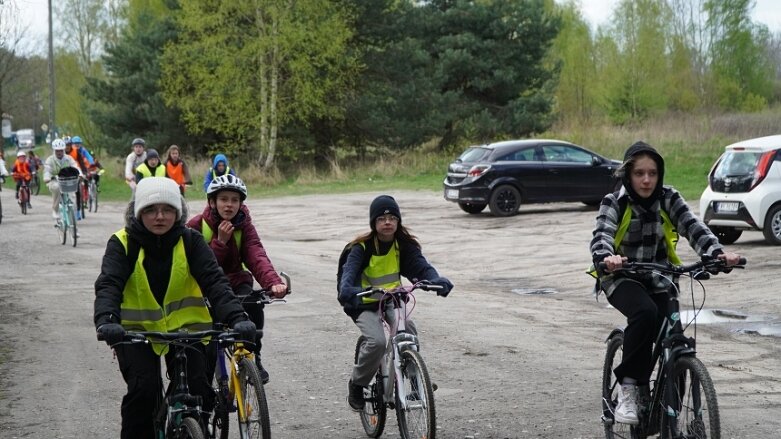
{"points": [[643, 148]]}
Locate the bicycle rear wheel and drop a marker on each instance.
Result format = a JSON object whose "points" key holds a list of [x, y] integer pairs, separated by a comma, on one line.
{"points": [[190, 428], [419, 419], [24, 198], [72, 226], [35, 185], [610, 387], [694, 401], [257, 423], [374, 412]]}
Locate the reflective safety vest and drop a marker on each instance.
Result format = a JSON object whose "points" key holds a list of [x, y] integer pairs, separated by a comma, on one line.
{"points": [[175, 171], [183, 308], [227, 171], [144, 170], [670, 236], [208, 234], [382, 271]]}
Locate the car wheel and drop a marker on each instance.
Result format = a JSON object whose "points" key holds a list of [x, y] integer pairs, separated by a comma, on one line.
{"points": [[505, 200], [772, 229], [726, 235], [471, 208]]}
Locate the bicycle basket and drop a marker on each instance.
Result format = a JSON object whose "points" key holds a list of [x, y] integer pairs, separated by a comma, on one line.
{"points": [[69, 184]]}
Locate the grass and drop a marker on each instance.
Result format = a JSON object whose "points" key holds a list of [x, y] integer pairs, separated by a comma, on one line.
{"points": [[690, 144]]}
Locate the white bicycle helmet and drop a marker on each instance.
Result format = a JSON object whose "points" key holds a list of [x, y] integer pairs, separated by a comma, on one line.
{"points": [[21, 154], [58, 145], [227, 182]]}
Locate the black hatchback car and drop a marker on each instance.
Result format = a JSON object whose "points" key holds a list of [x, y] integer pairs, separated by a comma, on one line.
{"points": [[504, 175]]}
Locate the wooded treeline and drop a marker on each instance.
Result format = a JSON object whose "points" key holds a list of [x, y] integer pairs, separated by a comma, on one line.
{"points": [[304, 81]]}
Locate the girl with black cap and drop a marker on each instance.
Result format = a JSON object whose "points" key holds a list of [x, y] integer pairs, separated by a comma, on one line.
{"points": [[151, 166], [378, 259], [655, 214]]}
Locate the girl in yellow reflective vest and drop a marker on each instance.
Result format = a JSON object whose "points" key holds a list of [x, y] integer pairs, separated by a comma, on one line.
{"points": [[154, 277], [378, 258], [640, 223]]}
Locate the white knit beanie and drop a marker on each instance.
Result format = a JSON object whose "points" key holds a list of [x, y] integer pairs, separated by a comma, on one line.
{"points": [[157, 190]]}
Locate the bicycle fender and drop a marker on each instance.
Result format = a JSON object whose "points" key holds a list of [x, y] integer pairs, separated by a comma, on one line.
{"points": [[615, 332]]}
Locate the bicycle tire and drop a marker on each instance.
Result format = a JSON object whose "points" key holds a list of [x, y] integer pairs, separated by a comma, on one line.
{"points": [[220, 421], [419, 420], [93, 196], [35, 185], [375, 412], [693, 386], [73, 231], [610, 385], [258, 423], [24, 198], [1, 212], [62, 224], [190, 428]]}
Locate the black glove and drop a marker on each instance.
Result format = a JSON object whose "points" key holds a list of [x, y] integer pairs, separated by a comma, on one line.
{"points": [[445, 284], [246, 330], [112, 333]]}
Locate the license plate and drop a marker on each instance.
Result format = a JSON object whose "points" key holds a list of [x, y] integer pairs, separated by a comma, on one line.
{"points": [[451, 194], [728, 207]]}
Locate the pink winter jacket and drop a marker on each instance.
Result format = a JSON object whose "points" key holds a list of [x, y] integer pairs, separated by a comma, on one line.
{"points": [[252, 254]]}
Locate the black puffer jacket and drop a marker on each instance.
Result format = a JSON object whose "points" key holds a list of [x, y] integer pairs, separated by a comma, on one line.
{"points": [[118, 266]]}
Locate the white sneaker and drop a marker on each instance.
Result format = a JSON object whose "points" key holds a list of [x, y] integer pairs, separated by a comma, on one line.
{"points": [[626, 409]]}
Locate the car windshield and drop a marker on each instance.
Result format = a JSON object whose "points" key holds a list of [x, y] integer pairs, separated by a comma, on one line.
{"points": [[474, 154], [737, 163]]}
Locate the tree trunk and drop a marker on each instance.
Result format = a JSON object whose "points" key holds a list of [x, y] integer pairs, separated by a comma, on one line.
{"points": [[263, 92], [274, 119]]}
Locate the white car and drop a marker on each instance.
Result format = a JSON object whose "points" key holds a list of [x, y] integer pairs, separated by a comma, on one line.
{"points": [[744, 191], [26, 138]]}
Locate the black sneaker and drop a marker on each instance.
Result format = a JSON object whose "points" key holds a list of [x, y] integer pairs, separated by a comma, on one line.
{"points": [[355, 396], [264, 377]]}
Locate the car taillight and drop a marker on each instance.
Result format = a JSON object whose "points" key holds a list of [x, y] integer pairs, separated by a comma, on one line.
{"points": [[478, 170], [763, 166]]}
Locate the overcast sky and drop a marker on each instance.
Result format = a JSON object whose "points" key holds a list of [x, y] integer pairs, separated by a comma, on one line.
{"points": [[35, 13]]}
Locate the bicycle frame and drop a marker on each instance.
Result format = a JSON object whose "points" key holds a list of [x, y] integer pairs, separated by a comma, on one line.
{"points": [[398, 340], [232, 356], [178, 403]]}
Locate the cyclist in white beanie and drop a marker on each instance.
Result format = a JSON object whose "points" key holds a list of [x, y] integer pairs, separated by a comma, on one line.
{"points": [[157, 190]]}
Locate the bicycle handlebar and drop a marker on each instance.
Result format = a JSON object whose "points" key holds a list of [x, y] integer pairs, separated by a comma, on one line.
{"points": [[227, 336], [262, 295], [710, 265], [402, 290]]}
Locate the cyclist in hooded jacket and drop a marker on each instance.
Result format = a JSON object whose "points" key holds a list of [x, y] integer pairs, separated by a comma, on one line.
{"points": [[219, 167], [226, 225], [652, 215], [392, 252], [154, 277]]}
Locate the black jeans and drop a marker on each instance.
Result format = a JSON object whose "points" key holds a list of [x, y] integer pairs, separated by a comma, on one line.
{"points": [[140, 368], [645, 313]]}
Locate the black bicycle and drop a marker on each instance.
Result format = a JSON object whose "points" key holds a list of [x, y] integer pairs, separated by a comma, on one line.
{"points": [[179, 413], [680, 400]]}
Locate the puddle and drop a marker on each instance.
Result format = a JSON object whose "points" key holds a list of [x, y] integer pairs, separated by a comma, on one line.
{"points": [[533, 291], [736, 321]]}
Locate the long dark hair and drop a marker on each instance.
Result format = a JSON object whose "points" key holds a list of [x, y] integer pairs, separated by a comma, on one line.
{"points": [[402, 235]]}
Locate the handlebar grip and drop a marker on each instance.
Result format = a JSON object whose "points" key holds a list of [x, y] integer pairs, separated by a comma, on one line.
{"points": [[742, 261]]}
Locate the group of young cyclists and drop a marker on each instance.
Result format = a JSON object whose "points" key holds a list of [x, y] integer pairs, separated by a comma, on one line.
{"points": [[142, 162], [160, 258]]}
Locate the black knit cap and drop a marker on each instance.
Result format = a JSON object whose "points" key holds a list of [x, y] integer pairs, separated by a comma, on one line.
{"points": [[383, 205], [638, 148], [152, 154]]}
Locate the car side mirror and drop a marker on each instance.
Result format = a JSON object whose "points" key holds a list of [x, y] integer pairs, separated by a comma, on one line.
{"points": [[595, 161]]}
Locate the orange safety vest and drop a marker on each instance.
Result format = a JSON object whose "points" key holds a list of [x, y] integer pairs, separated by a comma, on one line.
{"points": [[21, 171], [175, 171], [84, 163]]}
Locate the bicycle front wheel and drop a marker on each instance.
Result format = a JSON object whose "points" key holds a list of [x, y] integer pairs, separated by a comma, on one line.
{"points": [[610, 387], [62, 225], [694, 401], [417, 415], [220, 422], [190, 429], [35, 185], [93, 196], [72, 227], [256, 422], [374, 411]]}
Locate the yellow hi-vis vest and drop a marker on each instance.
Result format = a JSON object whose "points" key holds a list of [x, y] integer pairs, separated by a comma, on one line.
{"points": [[382, 271], [208, 233], [670, 236], [183, 309], [144, 170]]}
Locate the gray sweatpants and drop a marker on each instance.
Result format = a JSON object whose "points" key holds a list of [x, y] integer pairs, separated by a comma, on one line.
{"points": [[373, 347]]}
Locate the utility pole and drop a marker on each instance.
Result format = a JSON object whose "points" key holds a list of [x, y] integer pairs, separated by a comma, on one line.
{"points": [[52, 126]]}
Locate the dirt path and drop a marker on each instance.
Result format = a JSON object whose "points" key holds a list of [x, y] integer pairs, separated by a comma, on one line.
{"points": [[507, 365]]}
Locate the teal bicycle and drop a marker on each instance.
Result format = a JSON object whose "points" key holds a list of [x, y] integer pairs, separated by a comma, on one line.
{"points": [[68, 179]]}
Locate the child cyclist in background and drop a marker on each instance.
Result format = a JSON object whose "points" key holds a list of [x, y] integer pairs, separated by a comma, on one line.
{"points": [[393, 252], [176, 169], [226, 225], [21, 173]]}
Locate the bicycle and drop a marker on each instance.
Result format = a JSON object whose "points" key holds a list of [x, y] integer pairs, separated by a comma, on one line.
{"points": [[179, 414], [402, 382], [238, 385], [92, 189], [82, 199], [69, 183], [35, 184], [680, 400], [24, 196]]}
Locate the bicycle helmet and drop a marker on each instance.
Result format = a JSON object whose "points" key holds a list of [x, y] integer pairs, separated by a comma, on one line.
{"points": [[58, 145], [76, 139], [21, 154], [67, 140], [138, 141], [227, 182]]}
